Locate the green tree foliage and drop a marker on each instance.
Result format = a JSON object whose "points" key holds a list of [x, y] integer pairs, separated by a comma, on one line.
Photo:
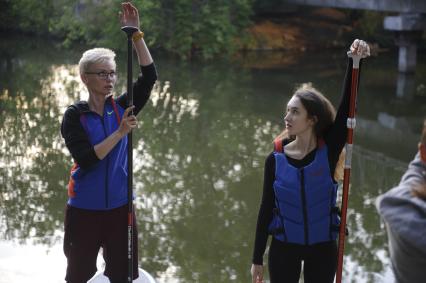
{"points": [[182, 27], [25, 15]]}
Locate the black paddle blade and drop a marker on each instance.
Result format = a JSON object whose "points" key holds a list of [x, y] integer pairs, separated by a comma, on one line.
{"points": [[129, 30]]}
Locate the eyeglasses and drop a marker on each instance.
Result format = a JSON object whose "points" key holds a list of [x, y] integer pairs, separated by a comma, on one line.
{"points": [[103, 75]]}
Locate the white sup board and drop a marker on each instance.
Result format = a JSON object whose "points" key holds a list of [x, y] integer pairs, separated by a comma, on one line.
{"points": [[144, 277]]}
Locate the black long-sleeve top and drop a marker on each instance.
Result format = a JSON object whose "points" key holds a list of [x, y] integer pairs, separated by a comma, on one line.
{"points": [[76, 139], [335, 138]]}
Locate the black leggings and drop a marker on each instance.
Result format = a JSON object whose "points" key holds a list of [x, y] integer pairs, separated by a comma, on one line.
{"points": [[285, 262]]}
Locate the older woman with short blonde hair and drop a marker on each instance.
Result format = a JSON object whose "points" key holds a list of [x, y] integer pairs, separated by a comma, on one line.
{"points": [[95, 132]]}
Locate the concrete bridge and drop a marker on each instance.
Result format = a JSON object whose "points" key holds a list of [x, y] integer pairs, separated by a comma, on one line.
{"points": [[400, 6], [408, 25]]}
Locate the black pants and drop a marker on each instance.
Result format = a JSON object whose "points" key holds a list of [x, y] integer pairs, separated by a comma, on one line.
{"points": [[86, 231], [285, 262]]}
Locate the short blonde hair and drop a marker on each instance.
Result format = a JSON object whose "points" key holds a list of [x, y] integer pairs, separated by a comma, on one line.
{"points": [[93, 56]]}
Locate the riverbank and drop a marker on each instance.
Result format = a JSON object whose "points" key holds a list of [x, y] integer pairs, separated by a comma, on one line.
{"points": [[308, 29]]}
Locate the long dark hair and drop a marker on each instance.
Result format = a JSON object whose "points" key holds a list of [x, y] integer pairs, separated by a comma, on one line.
{"points": [[322, 111], [318, 108]]}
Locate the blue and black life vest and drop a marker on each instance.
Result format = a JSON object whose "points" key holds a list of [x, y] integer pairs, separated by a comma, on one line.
{"points": [[305, 200], [104, 185]]}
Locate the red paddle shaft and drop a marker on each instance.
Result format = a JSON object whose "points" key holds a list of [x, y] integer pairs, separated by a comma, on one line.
{"points": [[348, 161]]}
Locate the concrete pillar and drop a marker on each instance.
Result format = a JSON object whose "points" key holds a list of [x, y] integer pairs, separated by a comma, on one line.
{"points": [[407, 43], [405, 85], [408, 29], [407, 58]]}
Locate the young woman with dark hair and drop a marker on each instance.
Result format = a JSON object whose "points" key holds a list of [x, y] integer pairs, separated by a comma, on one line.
{"points": [[298, 205]]}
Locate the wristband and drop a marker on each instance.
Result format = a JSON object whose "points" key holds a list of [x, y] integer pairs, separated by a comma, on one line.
{"points": [[137, 36]]}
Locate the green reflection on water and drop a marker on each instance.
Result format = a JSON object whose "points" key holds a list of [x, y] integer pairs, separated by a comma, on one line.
{"points": [[199, 154]]}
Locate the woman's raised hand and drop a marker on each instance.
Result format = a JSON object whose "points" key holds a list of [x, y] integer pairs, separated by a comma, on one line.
{"points": [[129, 15], [360, 47]]}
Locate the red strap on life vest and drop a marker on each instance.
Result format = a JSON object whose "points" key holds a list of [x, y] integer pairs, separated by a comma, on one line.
{"points": [[117, 115], [71, 182], [278, 145], [321, 143]]}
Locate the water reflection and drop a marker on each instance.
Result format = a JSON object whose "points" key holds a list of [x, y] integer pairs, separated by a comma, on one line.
{"points": [[196, 169], [199, 155], [405, 86], [32, 160], [373, 173]]}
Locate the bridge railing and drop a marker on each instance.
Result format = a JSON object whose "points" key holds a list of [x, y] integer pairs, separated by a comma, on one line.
{"points": [[400, 6]]}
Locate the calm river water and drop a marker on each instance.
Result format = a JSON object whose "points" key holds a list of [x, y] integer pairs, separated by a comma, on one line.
{"points": [[199, 154]]}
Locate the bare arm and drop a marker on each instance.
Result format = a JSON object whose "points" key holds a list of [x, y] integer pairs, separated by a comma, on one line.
{"points": [[129, 16], [102, 149], [142, 88], [127, 124]]}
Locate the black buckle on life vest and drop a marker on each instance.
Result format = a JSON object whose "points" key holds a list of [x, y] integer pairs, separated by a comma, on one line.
{"points": [[337, 210]]}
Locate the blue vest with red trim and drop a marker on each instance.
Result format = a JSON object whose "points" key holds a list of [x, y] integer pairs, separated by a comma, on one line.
{"points": [[104, 185], [305, 200]]}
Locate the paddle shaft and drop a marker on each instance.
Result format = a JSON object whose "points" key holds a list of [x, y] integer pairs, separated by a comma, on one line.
{"points": [[129, 31], [347, 169]]}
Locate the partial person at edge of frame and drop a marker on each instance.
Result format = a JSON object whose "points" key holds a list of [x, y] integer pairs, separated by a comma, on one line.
{"points": [[403, 209]]}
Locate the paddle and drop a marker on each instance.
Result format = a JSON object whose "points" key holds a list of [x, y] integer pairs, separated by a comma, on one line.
{"points": [[348, 160], [129, 31]]}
